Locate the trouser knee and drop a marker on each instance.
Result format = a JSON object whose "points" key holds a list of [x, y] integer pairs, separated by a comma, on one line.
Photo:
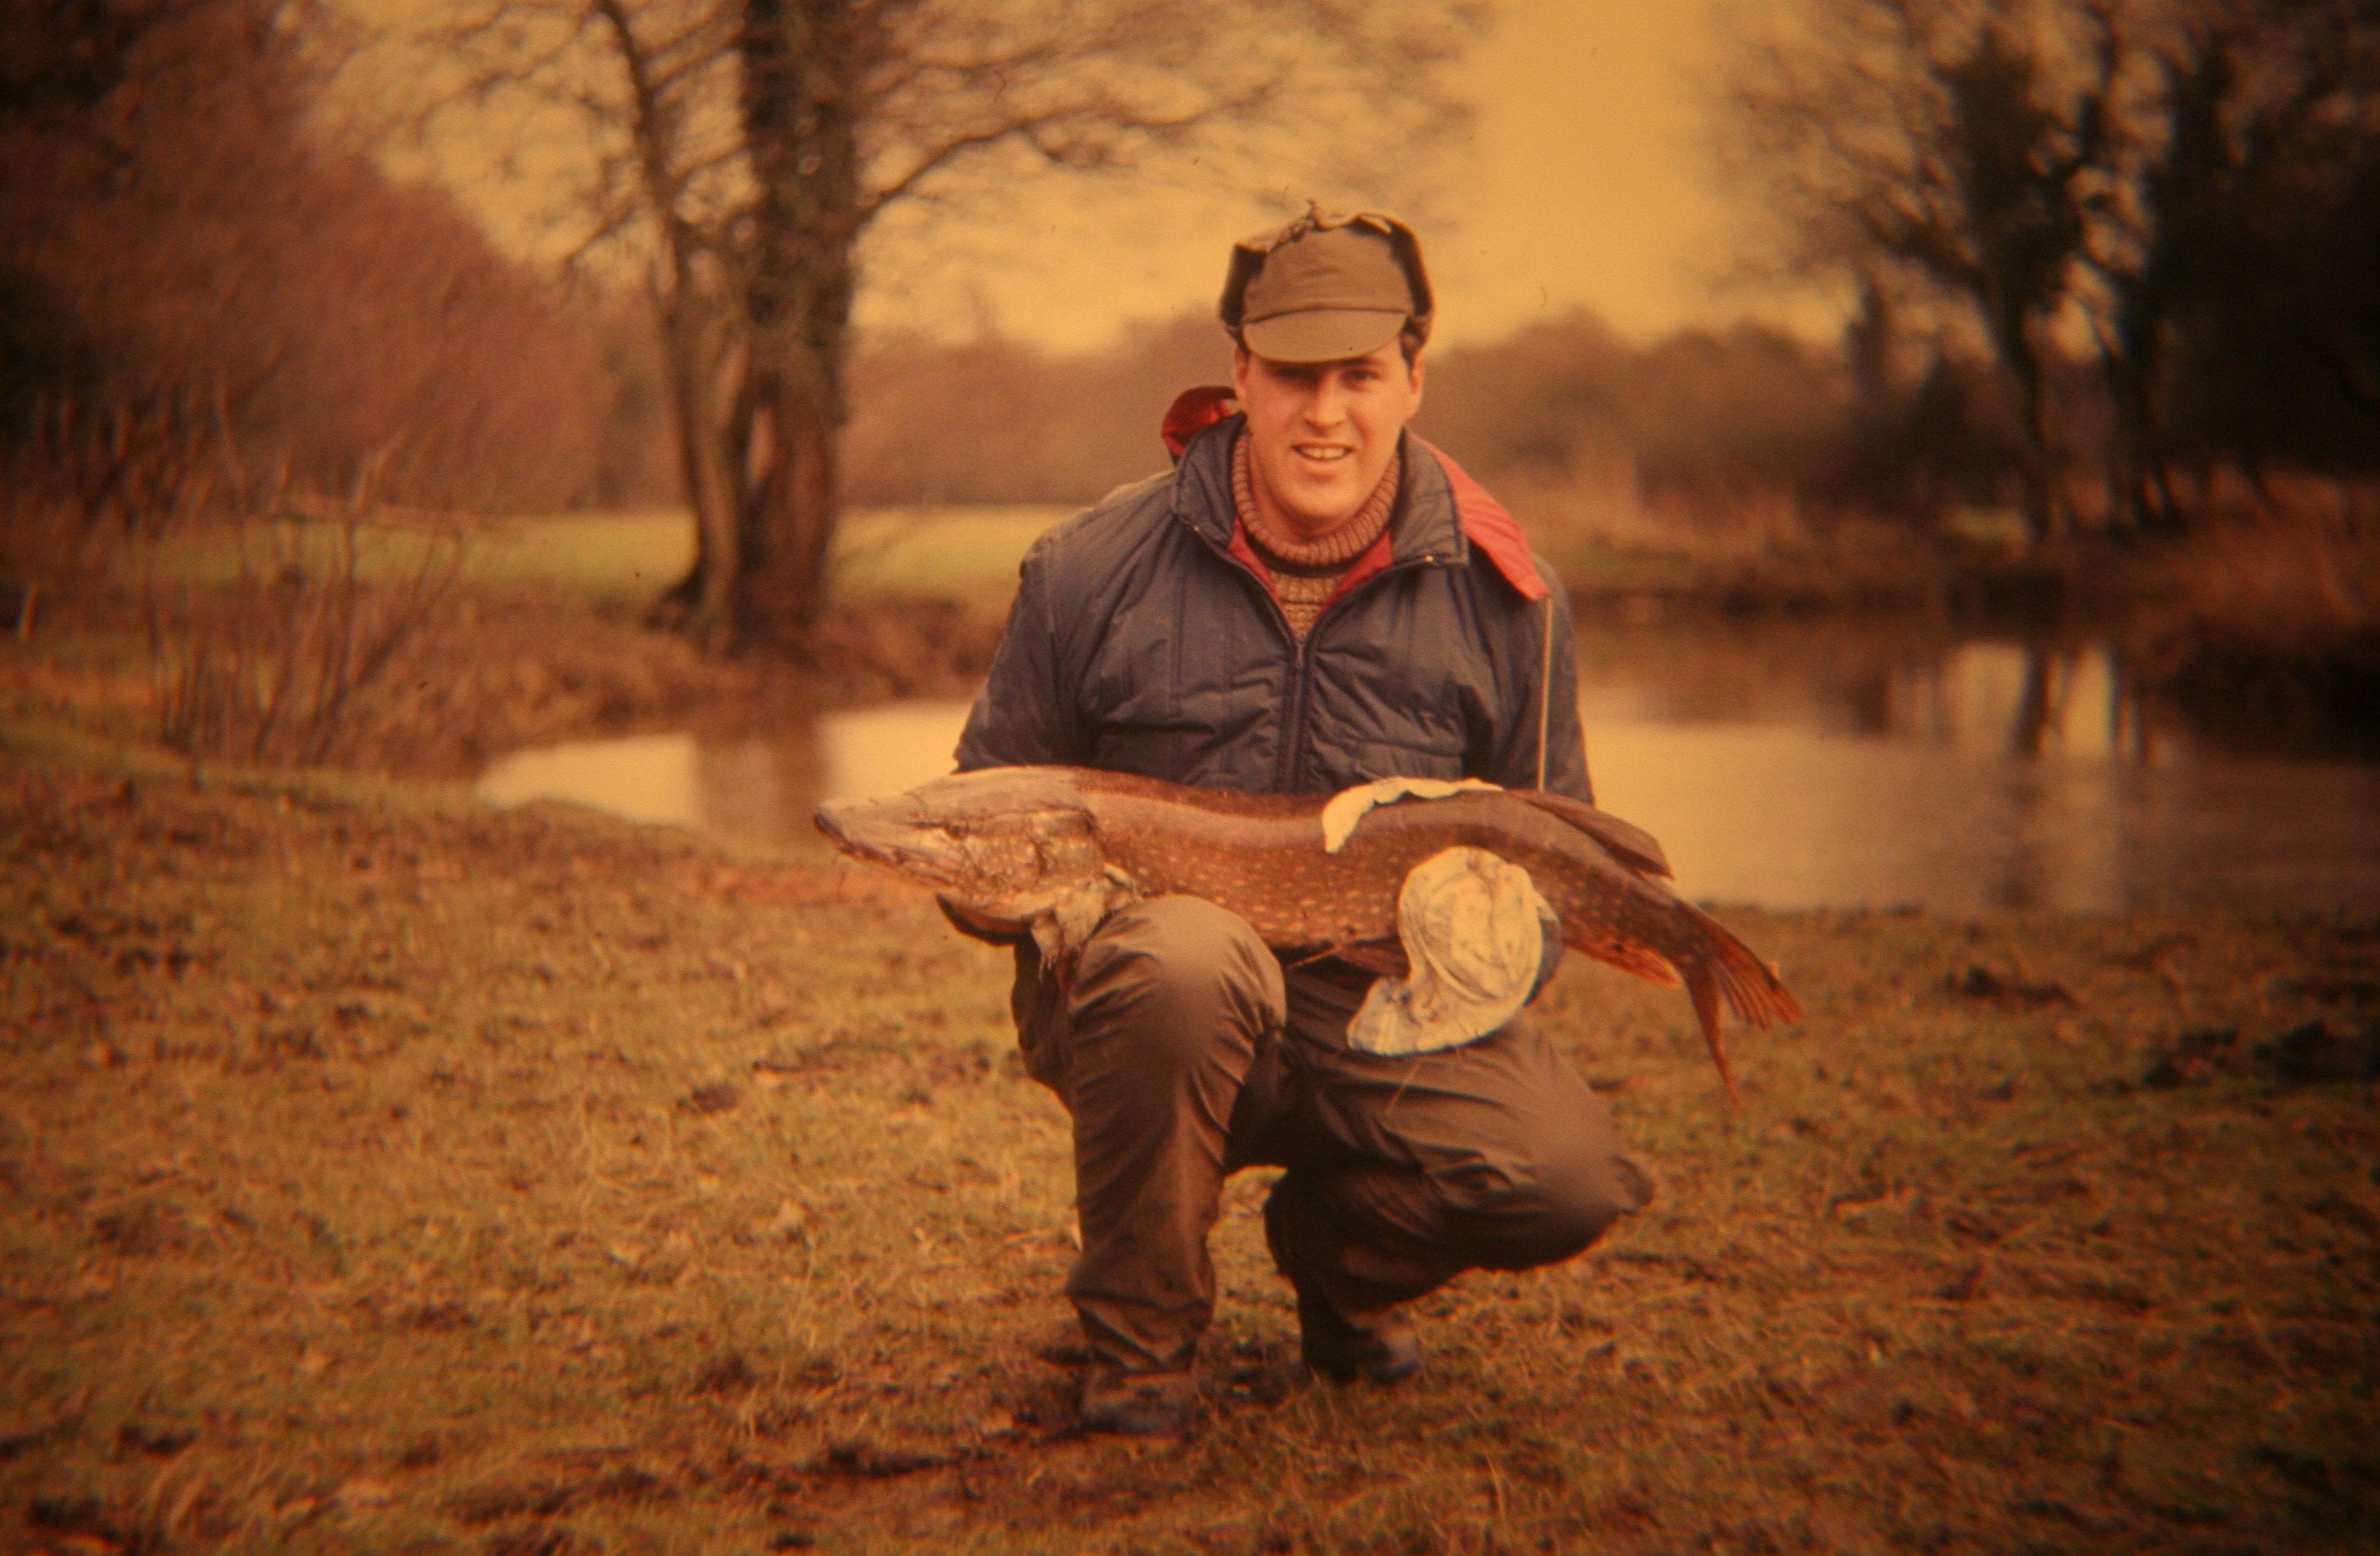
{"points": [[1171, 978], [1559, 1208]]}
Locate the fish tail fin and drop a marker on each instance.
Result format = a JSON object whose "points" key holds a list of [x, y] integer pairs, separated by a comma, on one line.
{"points": [[1732, 974], [1703, 988], [1752, 990]]}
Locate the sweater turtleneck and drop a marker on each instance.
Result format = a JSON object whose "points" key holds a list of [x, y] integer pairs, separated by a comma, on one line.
{"points": [[1305, 573]]}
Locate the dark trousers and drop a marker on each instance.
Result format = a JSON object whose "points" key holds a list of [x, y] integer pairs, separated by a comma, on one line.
{"points": [[1185, 1053]]}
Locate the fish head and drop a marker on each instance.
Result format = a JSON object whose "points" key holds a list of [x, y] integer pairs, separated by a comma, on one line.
{"points": [[1003, 843]]}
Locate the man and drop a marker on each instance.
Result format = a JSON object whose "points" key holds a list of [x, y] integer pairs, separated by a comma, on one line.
{"points": [[1311, 598]]}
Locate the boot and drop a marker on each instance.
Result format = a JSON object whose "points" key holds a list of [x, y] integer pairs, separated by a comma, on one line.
{"points": [[1139, 1404], [1382, 1346], [1388, 1352]]}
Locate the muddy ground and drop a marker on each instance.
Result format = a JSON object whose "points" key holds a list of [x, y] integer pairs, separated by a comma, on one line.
{"points": [[386, 1173]]}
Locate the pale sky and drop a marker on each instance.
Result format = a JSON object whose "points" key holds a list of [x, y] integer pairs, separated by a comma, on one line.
{"points": [[1591, 186], [1595, 184]]}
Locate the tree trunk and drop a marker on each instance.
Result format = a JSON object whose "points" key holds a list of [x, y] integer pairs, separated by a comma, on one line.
{"points": [[1870, 343], [786, 529], [702, 604], [803, 66], [687, 313], [2036, 473], [2015, 342], [2142, 478]]}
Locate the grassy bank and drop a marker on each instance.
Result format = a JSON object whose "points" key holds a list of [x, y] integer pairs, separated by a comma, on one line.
{"points": [[389, 1174], [965, 553], [538, 636]]}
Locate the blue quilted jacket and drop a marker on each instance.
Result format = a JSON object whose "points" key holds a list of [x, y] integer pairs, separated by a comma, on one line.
{"points": [[1142, 640]]}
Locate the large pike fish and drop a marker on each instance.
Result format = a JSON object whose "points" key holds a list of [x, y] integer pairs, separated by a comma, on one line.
{"points": [[1050, 851]]}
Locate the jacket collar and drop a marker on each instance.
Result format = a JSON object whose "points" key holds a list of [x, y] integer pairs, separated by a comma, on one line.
{"points": [[1440, 514]]}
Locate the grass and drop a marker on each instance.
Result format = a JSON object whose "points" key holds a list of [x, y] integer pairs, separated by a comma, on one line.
{"points": [[390, 1174], [965, 553], [628, 558], [599, 558]]}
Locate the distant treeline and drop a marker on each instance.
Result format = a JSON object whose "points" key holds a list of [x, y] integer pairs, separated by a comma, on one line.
{"points": [[1745, 429], [1698, 415]]}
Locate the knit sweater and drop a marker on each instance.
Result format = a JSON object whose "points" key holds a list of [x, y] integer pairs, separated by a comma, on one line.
{"points": [[1305, 573]]}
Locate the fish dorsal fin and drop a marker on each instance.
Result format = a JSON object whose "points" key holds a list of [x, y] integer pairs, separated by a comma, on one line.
{"points": [[1630, 844]]}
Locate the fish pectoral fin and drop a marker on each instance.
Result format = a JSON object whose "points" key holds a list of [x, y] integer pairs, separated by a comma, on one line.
{"points": [[1065, 925], [977, 924], [1058, 951], [1386, 957]]}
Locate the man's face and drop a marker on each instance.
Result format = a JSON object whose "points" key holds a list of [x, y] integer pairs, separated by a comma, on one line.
{"points": [[1320, 434]]}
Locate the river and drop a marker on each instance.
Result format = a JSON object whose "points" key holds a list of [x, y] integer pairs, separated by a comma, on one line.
{"points": [[1784, 765]]}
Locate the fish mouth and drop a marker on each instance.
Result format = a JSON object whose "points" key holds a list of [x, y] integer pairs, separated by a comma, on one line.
{"points": [[900, 842], [833, 819]]}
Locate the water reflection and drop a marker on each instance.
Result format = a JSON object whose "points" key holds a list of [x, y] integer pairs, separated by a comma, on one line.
{"points": [[1788, 816], [643, 777], [1791, 767], [755, 784]]}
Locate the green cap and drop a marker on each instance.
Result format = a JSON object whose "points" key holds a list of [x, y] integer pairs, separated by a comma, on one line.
{"points": [[1326, 287]]}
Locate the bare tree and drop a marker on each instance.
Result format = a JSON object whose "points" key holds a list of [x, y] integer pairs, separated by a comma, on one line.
{"points": [[2239, 245], [750, 146], [646, 91], [2156, 236], [1962, 143]]}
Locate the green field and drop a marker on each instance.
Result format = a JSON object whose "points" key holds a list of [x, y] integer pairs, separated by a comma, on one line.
{"points": [[964, 553], [390, 1174]]}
